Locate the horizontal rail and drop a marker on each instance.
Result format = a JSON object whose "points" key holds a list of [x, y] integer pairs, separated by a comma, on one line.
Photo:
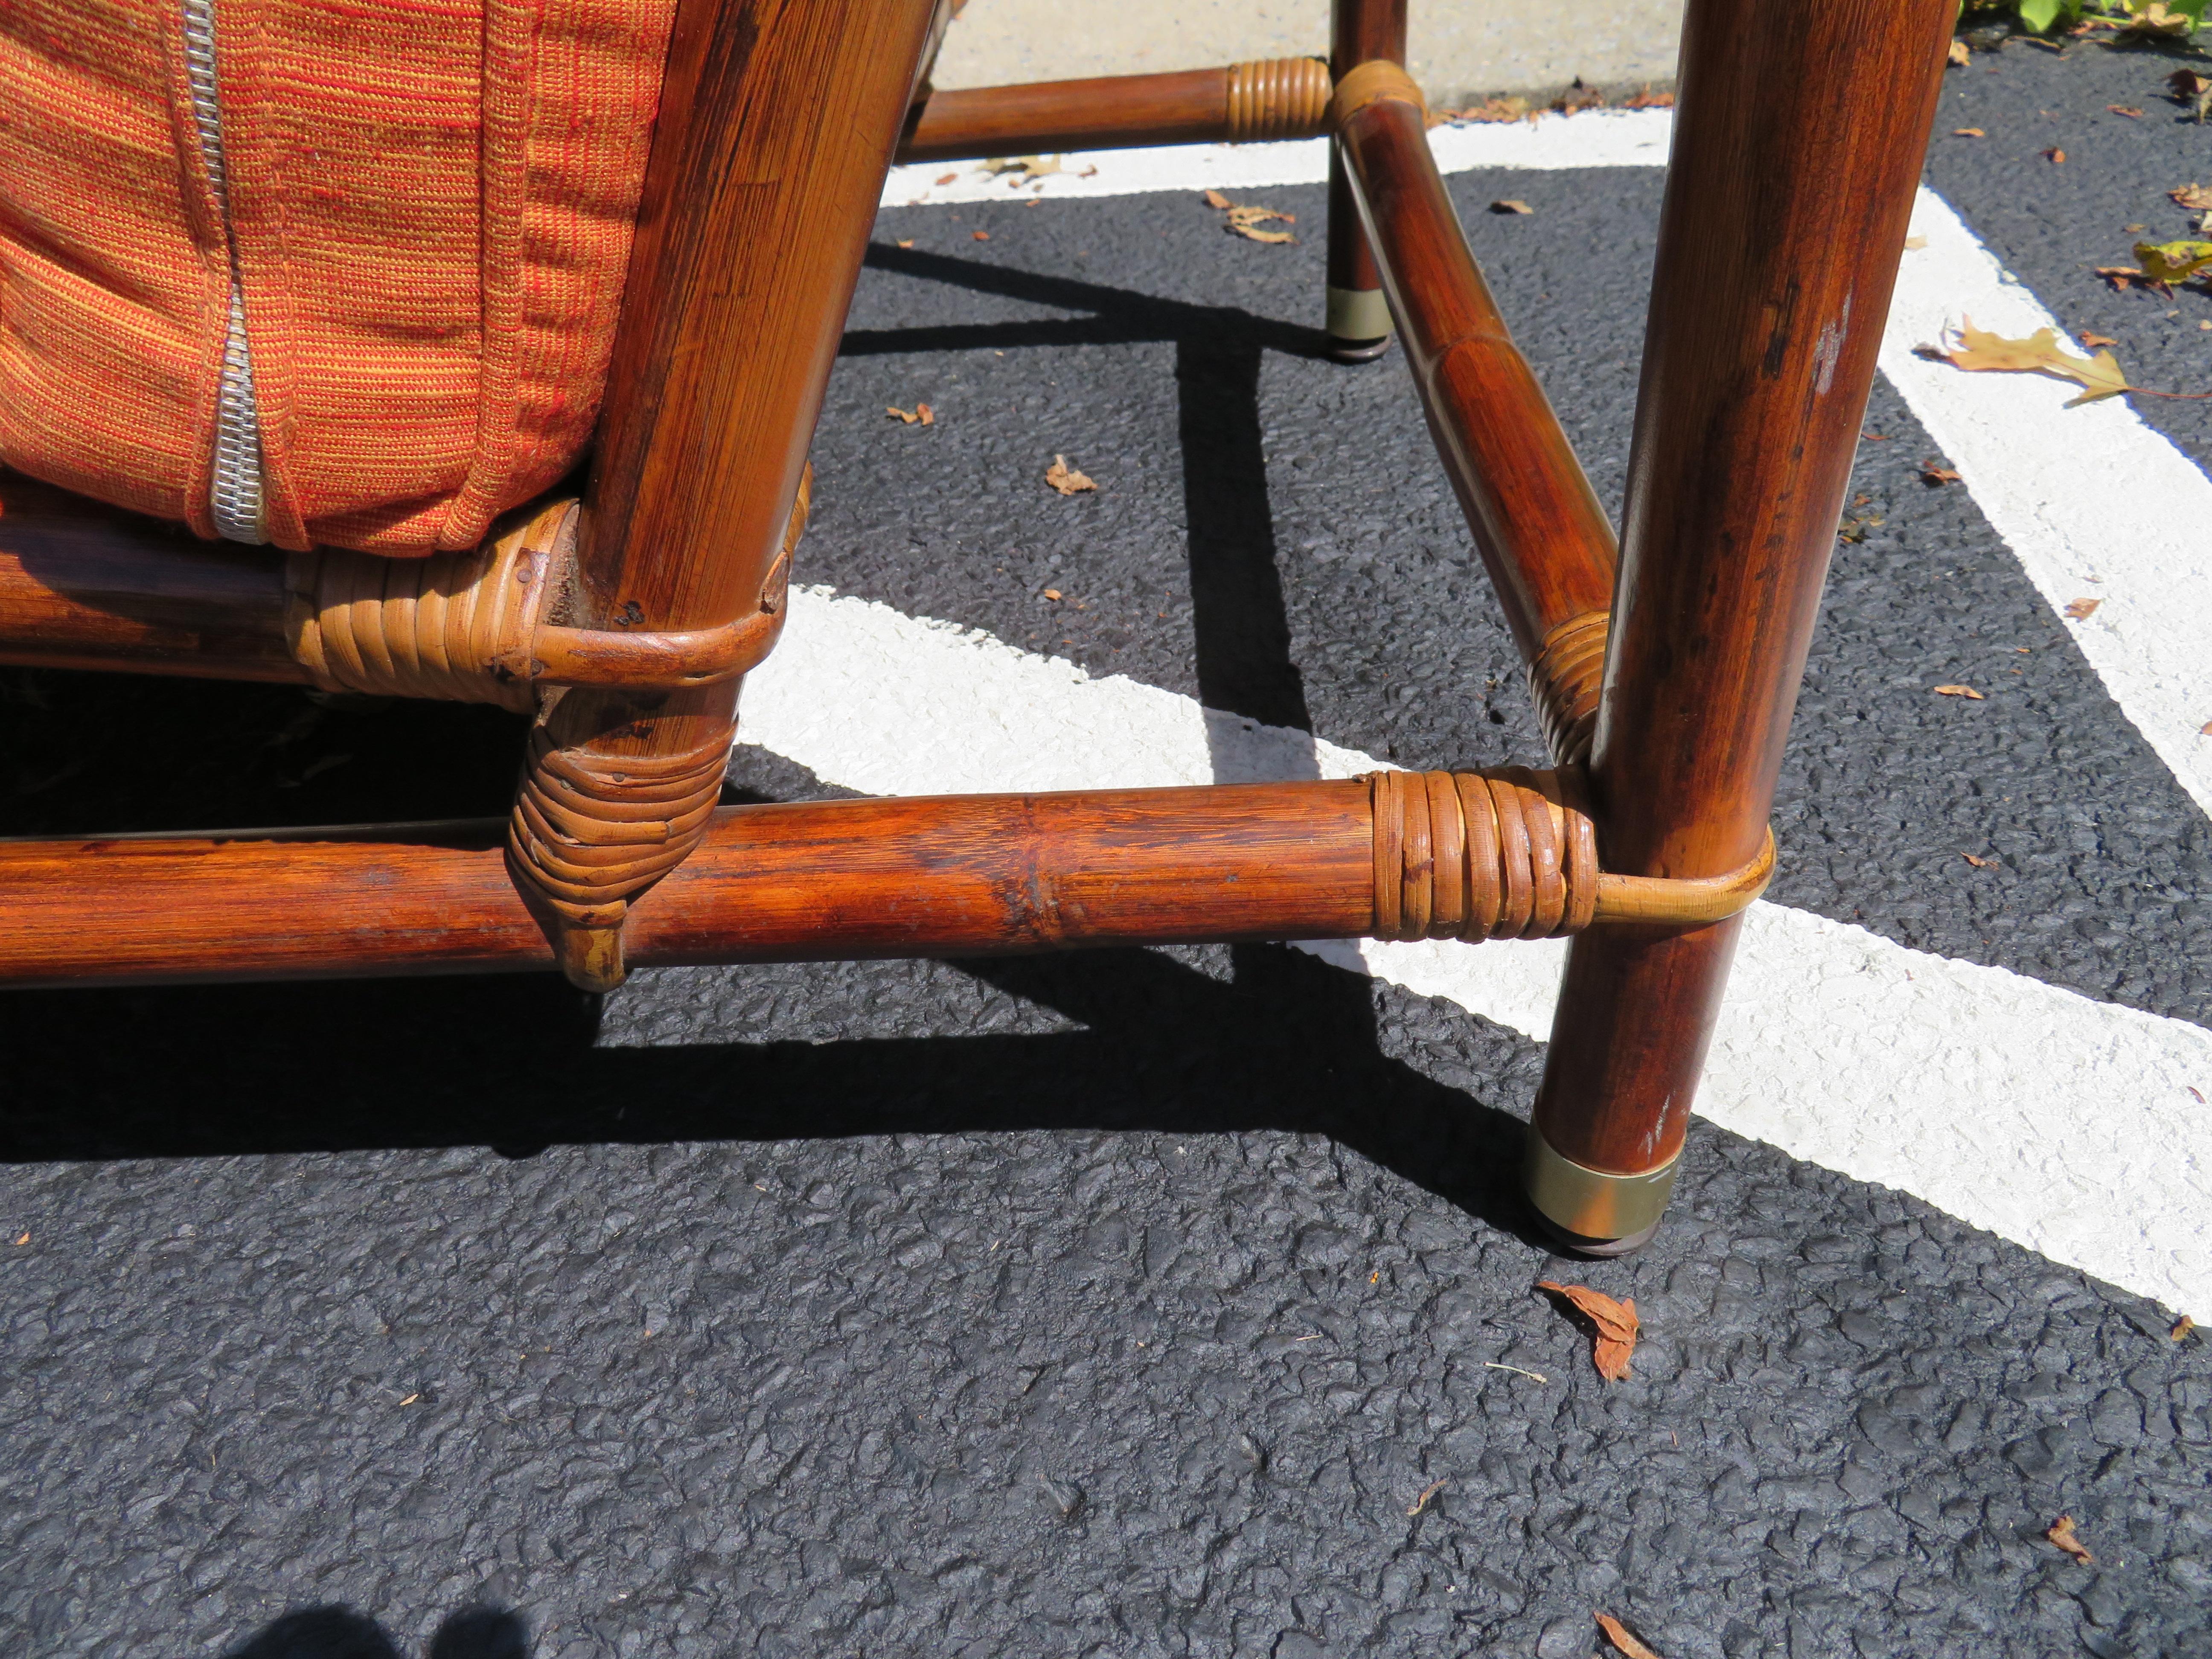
{"points": [[1238, 103], [1505, 853], [820, 881], [84, 585]]}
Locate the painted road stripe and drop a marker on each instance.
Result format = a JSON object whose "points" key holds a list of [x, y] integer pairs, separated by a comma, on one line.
{"points": [[2123, 529], [2063, 1124], [2107, 532], [1597, 138]]}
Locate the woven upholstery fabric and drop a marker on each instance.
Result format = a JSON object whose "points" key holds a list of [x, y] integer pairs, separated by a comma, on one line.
{"points": [[429, 214]]}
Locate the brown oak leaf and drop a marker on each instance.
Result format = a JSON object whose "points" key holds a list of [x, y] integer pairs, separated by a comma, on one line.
{"points": [[1066, 479], [1617, 1633], [2038, 354], [1614, 1322], [1245, 221], [2061, 1533]]}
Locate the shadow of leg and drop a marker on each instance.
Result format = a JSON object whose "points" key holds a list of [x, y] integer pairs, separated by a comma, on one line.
{"points": [[1241, 628], [327, 1632], [482, 1633]]}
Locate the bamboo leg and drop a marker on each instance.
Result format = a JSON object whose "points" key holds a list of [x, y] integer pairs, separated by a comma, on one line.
{"points": [[1799, 132], [1358, 316], [778, 123]]}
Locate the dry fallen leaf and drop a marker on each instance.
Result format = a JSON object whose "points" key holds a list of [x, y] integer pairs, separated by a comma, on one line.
{"points": [[1509, 205], [2061, 1533], [1978, 863], [1959, 691], [2181, 1327], [2132, 113], [909, 415], [948, 178], [1029, 167], [1217, 201], [2056, 156], [2124, 277], [1617, 1633], [1422, 1502], [1936, 476], [2092, 340], [1245, 221], [2190, 88], [1968, 132], [2153, 19], [25, 1239], [1961, 54], [925, 414], [1648, 98], [1494, 110], [1052, 593], [2173, 262], [2039, 354], [1914, 243], [2205, 730], [1065, 478], [2078, 608], [906, 241], [980, 235], [411, 1400], [1873, 438], [1615, 1322]]}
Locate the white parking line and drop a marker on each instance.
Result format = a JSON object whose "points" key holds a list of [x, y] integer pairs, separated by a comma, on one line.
{"points": [[2066, 1125], [1596, 138], [2095, 503]]}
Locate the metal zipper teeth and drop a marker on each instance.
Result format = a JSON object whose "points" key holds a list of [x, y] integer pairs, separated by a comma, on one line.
{"points": [[234, 493]]}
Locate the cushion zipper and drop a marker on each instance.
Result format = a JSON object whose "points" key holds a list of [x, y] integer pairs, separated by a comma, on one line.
{"points": [[234, 491]]}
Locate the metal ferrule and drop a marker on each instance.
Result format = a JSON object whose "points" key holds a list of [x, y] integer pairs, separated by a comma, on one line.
{"points": [[1358, 313], [1589, 1203]]}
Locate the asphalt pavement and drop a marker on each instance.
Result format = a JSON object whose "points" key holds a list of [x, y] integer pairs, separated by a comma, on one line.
{"points": [[1125, 1304]]}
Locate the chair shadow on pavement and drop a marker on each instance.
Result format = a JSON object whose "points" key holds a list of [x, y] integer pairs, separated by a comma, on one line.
{"points": [[1286, 1043], [336, 1632]]}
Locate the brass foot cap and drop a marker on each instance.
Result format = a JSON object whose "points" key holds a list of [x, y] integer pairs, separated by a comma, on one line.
{"points": [[1358, 324], [1357, 351], [1590, 1211]]}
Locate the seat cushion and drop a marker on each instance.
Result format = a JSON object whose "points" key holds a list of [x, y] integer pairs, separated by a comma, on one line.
{"points": [[307, 272]]}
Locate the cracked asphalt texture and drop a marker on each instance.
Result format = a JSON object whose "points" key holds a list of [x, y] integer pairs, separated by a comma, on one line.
{"points": [[1122, 1303]]}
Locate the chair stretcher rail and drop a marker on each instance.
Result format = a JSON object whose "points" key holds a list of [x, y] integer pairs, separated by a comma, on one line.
{"points": [[1501, 854], [1543, 536], [1238, 103]]}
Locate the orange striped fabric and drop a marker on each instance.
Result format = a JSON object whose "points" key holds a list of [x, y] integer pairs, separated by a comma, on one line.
{"points": [[428, 215]]}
